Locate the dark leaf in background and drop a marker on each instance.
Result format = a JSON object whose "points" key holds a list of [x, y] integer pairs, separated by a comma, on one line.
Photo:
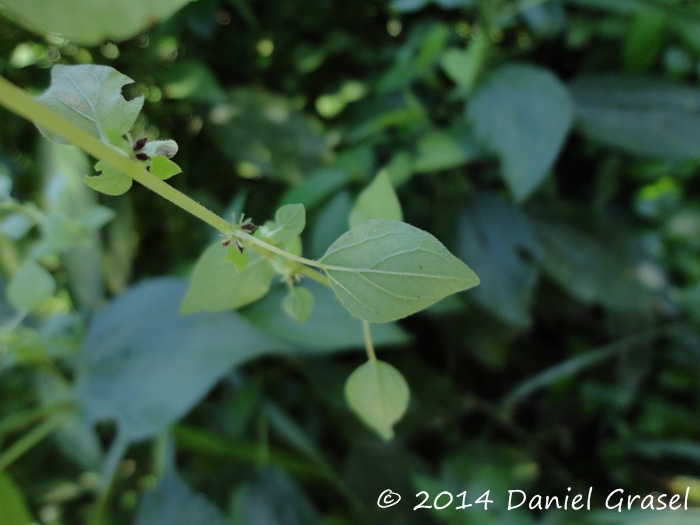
{"points": [[522, 114], [642, 116], [275, 499], [601, 264], [144, 365], [495, 241], [172, 502], [263, 135]]}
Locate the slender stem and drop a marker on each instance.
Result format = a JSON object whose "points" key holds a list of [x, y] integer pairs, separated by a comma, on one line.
{"points": [[17, 101], [368, 341], [19, 421], [29, 440]]}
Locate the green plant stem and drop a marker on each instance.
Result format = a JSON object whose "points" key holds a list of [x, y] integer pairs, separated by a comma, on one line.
{"points": [[22, 420], [369, 346], [29, 440], [17, 101]]}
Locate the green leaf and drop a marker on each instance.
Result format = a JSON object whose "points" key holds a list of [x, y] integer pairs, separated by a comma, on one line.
{"points": [[523, 114], [164, 168], [377, 201], [90, 97], [330, 223], [91, 22], [463, 66], [217, 285], [384, 270], [644, 40], [144, 365], [379, 395], [172, 502], [329, 327], [291, 221], [316, 187], [640, 115], [299, 303], [440, 151], [496, 241], [238, 258], [30, 286], [14, 508], [110, 182], [193, 81]]}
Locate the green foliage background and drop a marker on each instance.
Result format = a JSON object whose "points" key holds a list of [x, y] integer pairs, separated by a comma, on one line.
{"points": [[551, 145]]}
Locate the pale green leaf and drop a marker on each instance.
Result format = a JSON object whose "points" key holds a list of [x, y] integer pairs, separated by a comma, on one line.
{"points": [[384, 270], [91, 22], [377, 201], [299, 303], [379, 395], [110, 182], [164, 168], [238, 258], [90, 97], [522, 114], [291, 219], [13, 507], [217, 285], [164, 148], [30, 286], [463, 66]]}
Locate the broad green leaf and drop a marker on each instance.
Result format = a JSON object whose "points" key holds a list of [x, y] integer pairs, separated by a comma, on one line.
{"points": [[315, 188], [496, 241], [379, 395], [643, 116], [329, 327], [523, 114], [217, 285], [90, 97], [384, 270], [172, 502], [91, 22], [144, 365], [291, 221], [110, 181], [13, 507], [299, 303], [30, 286], [164, 168], [238, 258], [377, 201]]}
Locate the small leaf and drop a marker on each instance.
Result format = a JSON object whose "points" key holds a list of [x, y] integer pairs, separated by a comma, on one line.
{"points": [[30, 286], [463, 66], [14, 508], [110, 182], [384, 270], [216, 285], [238, 258], [523, 114], [90, 97], [299, 304], [379, 395], [291, 218], [377, 201], [161, 148], [164, 168]]}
